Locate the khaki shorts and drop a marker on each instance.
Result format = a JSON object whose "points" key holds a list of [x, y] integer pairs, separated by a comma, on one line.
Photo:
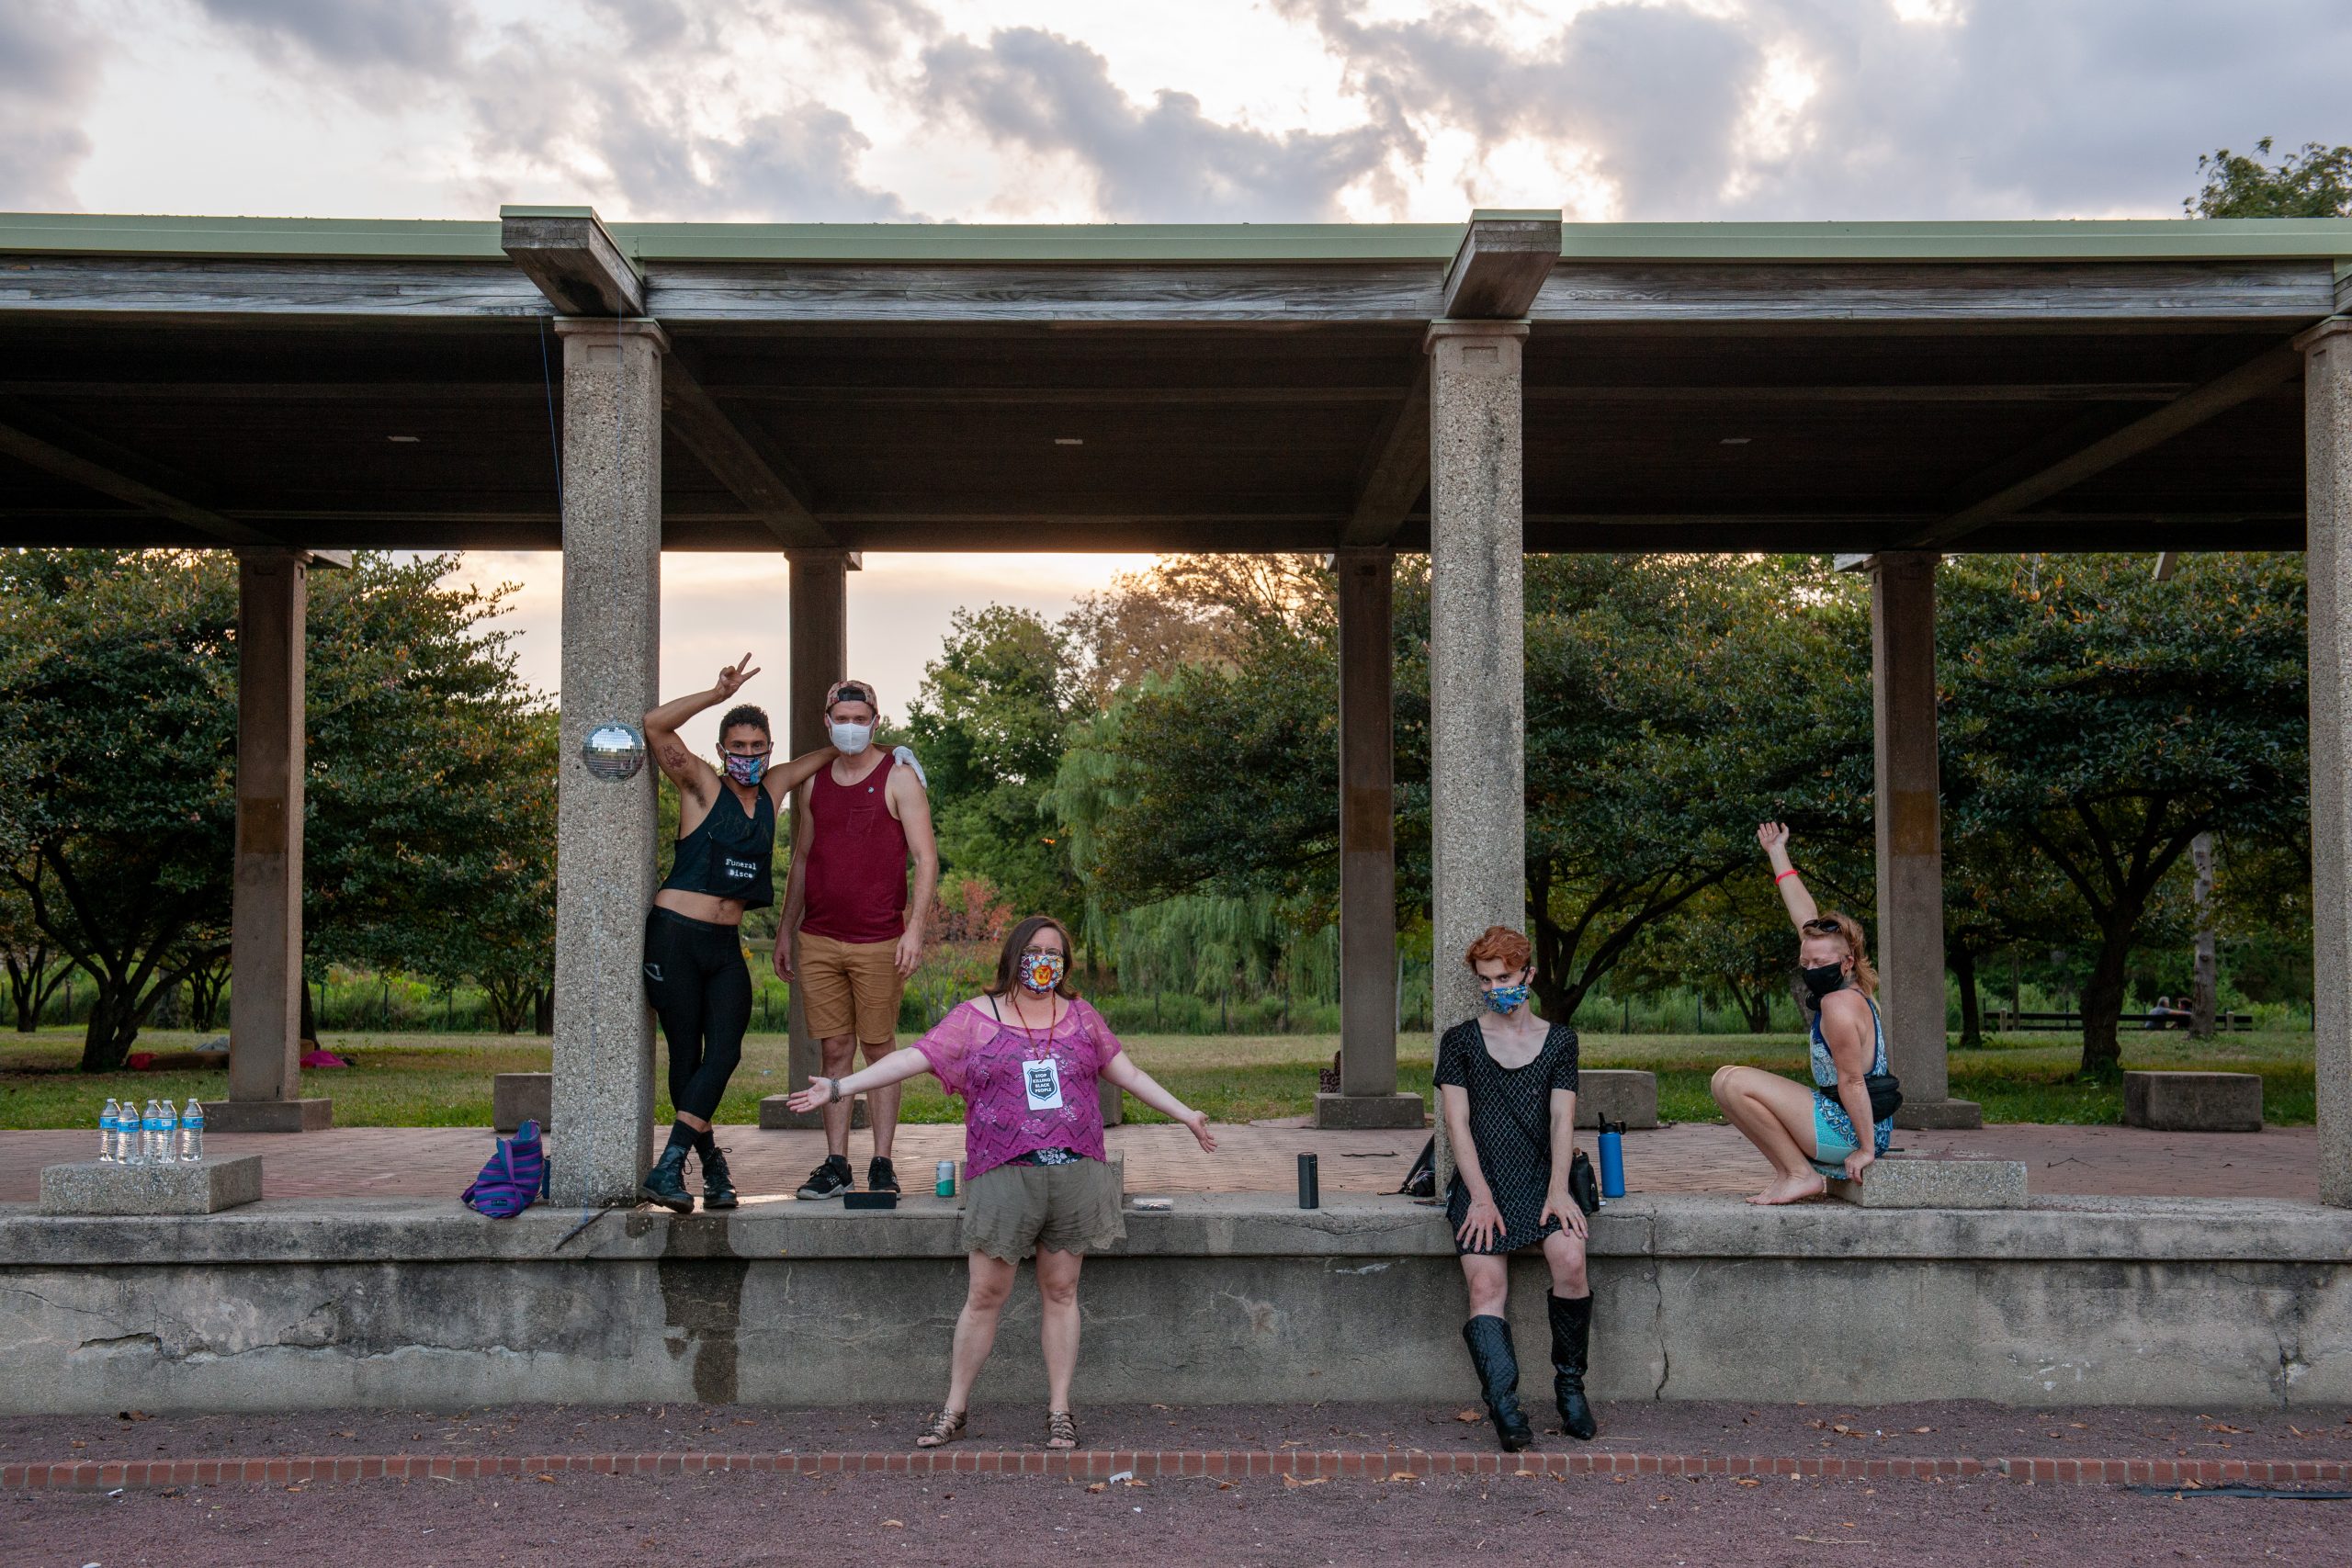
{"points": [[1013, 1210], [849, 988]]}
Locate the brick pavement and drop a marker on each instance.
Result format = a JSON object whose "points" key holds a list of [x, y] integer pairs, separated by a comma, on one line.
{"points": [[1691, 1157]]}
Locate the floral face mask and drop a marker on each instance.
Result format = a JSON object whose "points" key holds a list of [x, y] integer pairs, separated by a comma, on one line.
{"points": [[747, 771]]}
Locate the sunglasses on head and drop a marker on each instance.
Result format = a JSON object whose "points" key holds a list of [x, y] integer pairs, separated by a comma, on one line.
{"points": [[1821, 928]]}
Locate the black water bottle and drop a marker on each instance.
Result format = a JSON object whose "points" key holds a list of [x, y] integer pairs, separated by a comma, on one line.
{"points": [[1310, 1183]]}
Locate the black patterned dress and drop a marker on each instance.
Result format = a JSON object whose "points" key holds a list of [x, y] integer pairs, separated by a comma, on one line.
{"points": [[1511, 1122]]}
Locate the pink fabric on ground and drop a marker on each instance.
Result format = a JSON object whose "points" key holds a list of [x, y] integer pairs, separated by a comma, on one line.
{"points": [[980, 1058]]}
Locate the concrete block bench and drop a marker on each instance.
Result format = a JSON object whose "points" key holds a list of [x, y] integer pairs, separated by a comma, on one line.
{"points": [[194, 1187], [2193, 1102], [1902, 1183], [517, 1098], [1620, 1094]]}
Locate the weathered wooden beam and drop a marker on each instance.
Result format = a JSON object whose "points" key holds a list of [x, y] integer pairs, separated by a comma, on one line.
{"points": [[57, 447], [1393, 293], [573, 259], [2033, 294], [1501, 266], [2251, 380], [300, 392], [757, 474], [1396, 469], [336, 292]]}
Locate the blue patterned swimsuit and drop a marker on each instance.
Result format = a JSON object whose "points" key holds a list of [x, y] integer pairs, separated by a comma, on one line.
{"points": [[1832, 1129]]}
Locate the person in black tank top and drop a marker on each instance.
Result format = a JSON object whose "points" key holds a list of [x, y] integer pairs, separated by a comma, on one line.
{"points": [[695, 972]]}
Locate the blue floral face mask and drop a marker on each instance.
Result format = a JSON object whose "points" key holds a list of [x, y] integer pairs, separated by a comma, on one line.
{"points": [[1508, 998], [1041, 972], [746, 771]]}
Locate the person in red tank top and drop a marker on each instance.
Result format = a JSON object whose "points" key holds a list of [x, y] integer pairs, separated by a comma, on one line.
{"points": [[851, 937]]}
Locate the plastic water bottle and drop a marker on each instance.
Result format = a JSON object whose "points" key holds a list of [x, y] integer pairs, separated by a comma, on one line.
{"points": [[192, 1132], [107, 1131], [157, 1138], [130, 1141]]}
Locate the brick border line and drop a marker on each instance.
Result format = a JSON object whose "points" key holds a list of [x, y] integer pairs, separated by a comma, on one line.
{"points": [[1099, 1465]]}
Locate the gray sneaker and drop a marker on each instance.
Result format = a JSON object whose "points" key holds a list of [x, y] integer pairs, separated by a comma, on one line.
{"points": [[830, 1179]]}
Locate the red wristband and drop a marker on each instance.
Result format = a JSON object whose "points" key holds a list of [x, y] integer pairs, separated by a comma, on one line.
{"points": [[1785, 876]]}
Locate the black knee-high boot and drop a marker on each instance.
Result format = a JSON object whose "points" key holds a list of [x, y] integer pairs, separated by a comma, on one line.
{"points": [[1497, 1366], [1571, 1336]]}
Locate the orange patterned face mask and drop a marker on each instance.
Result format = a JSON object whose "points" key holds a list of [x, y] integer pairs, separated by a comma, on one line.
{"points": [[1041, 972]]}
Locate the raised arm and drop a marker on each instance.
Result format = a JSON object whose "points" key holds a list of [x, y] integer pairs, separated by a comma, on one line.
{"points": [[693, 776], [1774, 837], [787, 777]]}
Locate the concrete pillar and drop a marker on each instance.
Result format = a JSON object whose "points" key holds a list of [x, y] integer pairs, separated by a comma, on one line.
{"points": [[2328, 458], [1367, 1097], [817, 635], [1910, 953], [1478, 665], [265, 928], [603, 1094]]}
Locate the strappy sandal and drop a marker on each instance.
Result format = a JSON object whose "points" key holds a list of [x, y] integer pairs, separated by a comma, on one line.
{"points": [[943, 1427], [1061, 1430]]}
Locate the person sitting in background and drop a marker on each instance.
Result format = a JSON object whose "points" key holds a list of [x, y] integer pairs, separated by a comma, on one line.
{"points": [[1506, 1087], [1810, 1136]]}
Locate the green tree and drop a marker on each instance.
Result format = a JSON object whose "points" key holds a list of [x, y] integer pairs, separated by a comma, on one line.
{"points": [[2314, 183], [2103, 720], [118, 728], [989, 724]]}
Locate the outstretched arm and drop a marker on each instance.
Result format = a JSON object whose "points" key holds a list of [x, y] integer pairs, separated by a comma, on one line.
{"points": [[1122, 1071], [785, 777], [1774, 837], [693, 776], [890, 1070]]}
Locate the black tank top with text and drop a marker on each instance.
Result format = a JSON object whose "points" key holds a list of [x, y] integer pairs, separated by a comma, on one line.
{"points": [[729, 855]]}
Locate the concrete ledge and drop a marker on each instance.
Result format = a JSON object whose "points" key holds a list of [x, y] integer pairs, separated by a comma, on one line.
{"points": [[268, 1115], [1359, 1112], [1939, 1115], [517, 1098], [289, 1304], [190, 1187], [1621, 1094], [2193, 1102], [1937, 1184]]}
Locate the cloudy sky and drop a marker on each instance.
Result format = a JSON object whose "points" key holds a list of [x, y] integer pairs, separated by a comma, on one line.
{"points": [[1105, 111]]}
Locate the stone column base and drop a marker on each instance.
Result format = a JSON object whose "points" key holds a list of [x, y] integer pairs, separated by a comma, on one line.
{"points": [[1939, 1115], [1339, 1112], [268, 1115]]}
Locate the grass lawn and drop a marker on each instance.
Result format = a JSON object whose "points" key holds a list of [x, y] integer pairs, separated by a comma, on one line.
{"points": [[442, 1080]]}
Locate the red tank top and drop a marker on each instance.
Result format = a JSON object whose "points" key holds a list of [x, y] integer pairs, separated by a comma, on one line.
{"points": [[857, 860]]}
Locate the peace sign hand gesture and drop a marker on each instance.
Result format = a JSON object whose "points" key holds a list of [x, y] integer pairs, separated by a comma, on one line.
{"points": [[731, 677]]}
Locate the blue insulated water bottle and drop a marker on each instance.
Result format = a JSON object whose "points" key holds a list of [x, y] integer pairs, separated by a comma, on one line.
{"points": [[1612, 1161]]}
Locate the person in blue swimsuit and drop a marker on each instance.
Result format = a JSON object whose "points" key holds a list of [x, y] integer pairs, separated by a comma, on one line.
{"points": [[695, 972], [1809, 1134]]}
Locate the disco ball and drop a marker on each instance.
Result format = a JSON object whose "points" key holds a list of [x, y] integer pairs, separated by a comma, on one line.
{"points": [[614, 750]]}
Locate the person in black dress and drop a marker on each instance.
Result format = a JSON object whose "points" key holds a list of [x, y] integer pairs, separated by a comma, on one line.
{"points": [[1506, 1087]]}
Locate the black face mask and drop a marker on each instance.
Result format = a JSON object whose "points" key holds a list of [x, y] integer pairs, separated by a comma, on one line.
{"points": [[1823, 978]]}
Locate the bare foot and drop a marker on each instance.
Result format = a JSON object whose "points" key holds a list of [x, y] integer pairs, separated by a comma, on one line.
{"points": [[1792, 1190]]}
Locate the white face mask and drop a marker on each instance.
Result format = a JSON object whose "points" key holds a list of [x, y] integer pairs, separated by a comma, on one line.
{"points": [[849, 740]]}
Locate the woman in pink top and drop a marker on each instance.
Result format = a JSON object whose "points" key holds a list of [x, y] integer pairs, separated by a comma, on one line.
{"points": [[1025, 1055]]}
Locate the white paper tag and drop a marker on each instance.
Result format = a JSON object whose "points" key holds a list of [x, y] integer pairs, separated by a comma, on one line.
{"points": [[1043, 1081]]}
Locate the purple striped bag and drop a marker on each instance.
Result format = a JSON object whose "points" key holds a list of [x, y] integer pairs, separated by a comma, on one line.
{"points": [[515, 1178]]}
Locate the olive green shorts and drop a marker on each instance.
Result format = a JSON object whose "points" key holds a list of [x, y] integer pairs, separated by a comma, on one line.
{"points": [[1013, 1210]]}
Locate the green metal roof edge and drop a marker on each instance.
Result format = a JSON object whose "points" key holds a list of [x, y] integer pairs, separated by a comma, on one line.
{"points": [[421, 239], [2161, 239], [2045, 238]]}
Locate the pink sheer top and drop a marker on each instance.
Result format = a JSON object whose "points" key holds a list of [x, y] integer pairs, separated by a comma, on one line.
{"points": [[979, 1057]]}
